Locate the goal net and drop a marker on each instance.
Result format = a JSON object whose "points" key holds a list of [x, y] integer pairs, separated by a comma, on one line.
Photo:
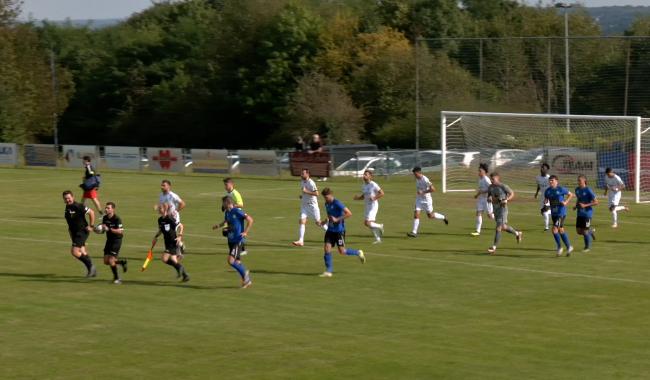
{"points": [[516, 145]]}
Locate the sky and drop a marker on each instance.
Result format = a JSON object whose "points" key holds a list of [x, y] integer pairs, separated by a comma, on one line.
{"points": [[109, 9]]}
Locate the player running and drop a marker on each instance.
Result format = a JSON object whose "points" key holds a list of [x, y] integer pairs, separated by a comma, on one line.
{"points": [[175, 205], [79, 228], [172, 233], [499, 194], [335, 234], [614, 186], [236, 218], [585, 200], [308, 206], [542, 185], [89, 172], [423, 201], [112, 224], [232, 193], [371, 193], [481, 196], [558, 197]]}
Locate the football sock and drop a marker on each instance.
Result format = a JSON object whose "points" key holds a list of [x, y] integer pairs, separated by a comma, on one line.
{"points": [[479, 222], [565, 239], [85, 259], [301, 232], [374, 225], [416, 224], [171, 263], [547, 218], [114, 270], [497, 237], [438, 216], [240, 268], [351, 252], [587, 237], [324, 227], [615, 216], [328, 261], [511, 230], [375, 232], [556, 236], [619, 208]]}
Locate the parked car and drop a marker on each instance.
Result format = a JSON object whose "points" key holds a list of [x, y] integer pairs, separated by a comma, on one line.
{"points": [[380, 165]]}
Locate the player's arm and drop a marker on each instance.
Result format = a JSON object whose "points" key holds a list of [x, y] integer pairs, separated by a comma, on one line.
{"points": [[380, 194], [249, 223], [219, 225], [537, 191], [304, 190], [119, 230], [569, 196], [511, 194], [346, 214], [359, 197], [181, 204]]}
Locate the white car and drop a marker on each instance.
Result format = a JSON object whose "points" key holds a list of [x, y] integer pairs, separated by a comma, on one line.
{"points": [[504, 156], [380, 165]]}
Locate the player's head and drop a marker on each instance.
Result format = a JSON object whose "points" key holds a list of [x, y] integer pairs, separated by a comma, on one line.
{"points": [[163, 209], [367, 175], [495, 177], [544, 168], [228, 184], [315, 137], [165, 185], [228, 203], [609, 172], [553, 181], [304, 174], [482, 169], [417, 172], [86, 160], [68, 197], [328, 194], [582, 180], [110, 208]]}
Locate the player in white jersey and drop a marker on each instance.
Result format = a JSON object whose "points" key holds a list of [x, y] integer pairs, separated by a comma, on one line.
{"points": [[614, 186], [423, 201], [308, 206], [482, 204], [174, 204], [542, 185], [371, 192]]}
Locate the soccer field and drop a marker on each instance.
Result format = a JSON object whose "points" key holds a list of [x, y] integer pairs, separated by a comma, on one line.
{"points": [[432, 307]]}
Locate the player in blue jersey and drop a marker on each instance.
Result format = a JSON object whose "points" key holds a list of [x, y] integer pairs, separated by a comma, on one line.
{"points": [[335, 234], [558, 197], [239, 223], [585, 200]]}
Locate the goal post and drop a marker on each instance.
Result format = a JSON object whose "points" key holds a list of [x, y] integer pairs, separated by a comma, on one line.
{"points": [[516, 144]]}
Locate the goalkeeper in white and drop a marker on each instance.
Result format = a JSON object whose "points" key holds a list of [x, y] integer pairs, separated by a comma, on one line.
{"points": [[614, 186]]}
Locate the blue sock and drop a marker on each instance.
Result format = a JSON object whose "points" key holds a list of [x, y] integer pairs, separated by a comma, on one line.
{"points": [[351, 252], [556, 236], [587, 237], [239, 268], [565, 239], [328, 261]]}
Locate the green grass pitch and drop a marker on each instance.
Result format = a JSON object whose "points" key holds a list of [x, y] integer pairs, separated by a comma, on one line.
{"points": [[433, 307]]}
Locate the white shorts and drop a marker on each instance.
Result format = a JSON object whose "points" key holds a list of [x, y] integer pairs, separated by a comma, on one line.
{"points": [[482, 205], [371, 211], [424, 204], [614, 198], [310, 212]]}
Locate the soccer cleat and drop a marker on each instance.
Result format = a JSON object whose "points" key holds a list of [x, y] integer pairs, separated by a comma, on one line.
{"points": [[614, 225], [492, 250], [569, 250], [519, 237], [117, 281], [411, 234], [243, 253], [381, 230], [475, 233], [92, 272], [593, 234], [446, 221], [626, 208], [124, 264], [586, 250], [247, 276], [325, 274], [545, 229], [247, 284], [186, 277], [378, 241], [362, 257], [559, 252], [298, 243]]}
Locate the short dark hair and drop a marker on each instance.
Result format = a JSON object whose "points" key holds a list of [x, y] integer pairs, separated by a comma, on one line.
{"points": [[111, 204], [494, 174], [306, 170], [553, 177], [545, 165], [227, 180], [417, 169], [167, 182], [326, 191], [371, 172], [67, 192], [608, 170], [86, 158], [583, 176], [483, 166], [227, 199]]}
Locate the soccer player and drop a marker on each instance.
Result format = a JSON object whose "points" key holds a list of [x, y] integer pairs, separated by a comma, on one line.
{"points": [[308, 206], [558, 197], [79, 228], [499, 195], [92, 193], [371, 193], [175, 205], [585, 200], [542, 185], [239, 224], [335, 234], [613, 189], [481, 196], [172, 233], [237, 199], [423, 201], [114, 232]]}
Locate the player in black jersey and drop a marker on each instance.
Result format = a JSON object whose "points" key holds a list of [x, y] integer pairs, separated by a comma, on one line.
{"points": [[112, 224], [79, 228], [173, 234]]}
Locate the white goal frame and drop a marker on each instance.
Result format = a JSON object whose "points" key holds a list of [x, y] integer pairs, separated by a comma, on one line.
{"points": [[445, 115]]}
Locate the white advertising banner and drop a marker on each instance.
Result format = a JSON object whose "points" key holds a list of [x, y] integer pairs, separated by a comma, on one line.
{"points": [[210, 161], [40, 155], [165, 159], [73, 155], [122, 157], [573, 162], [8, 154], [258, 162]]}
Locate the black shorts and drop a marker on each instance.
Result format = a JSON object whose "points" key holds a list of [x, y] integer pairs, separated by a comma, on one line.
{"points": [[583, 222], [112, 248], [558, 221], [79, 238], [172, 248], [235, 249], [335, 238]]}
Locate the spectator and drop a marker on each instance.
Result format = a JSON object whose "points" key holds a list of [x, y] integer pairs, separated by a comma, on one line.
{"points": [[90, 173], [316, 144], [299, 145]]}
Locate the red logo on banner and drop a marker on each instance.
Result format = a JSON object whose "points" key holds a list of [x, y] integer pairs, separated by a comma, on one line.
{"points": [[165, 159]]}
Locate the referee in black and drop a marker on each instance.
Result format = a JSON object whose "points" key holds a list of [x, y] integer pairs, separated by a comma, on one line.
{"points": [[79, 228], [112, 224]]}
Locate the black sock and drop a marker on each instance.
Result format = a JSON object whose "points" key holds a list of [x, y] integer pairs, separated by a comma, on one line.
{"points": [[122, 262], [180, 269], [171, 263], [114, 270], [85, 259]]}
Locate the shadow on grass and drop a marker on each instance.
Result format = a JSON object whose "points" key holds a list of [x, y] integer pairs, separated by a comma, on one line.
{"points": [[44, 217], [504, 252], [263, 271]]}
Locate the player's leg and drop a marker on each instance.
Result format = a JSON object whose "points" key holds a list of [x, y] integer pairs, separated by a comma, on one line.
{"points": [[234, 252], [111, 260], [370, 217], [78, 251], [479, 222], [564, 235], [613, 204], [343, 250], [497, 232], [556, 234], [416, 221], [545, 210], [302, 223], [435, 215], [327, 256]]}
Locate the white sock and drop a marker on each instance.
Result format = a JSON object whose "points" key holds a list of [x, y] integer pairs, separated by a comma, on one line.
{"points": [[324, 227], [547, 218], [479, 222], [416, 224], [301, 232], [374, 225], [619, 208], [375, 232], [615, 216], [438, 216]]}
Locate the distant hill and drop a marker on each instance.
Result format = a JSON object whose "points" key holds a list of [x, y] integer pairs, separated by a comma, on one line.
{"points": [[92, 24], [615, 20]]}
